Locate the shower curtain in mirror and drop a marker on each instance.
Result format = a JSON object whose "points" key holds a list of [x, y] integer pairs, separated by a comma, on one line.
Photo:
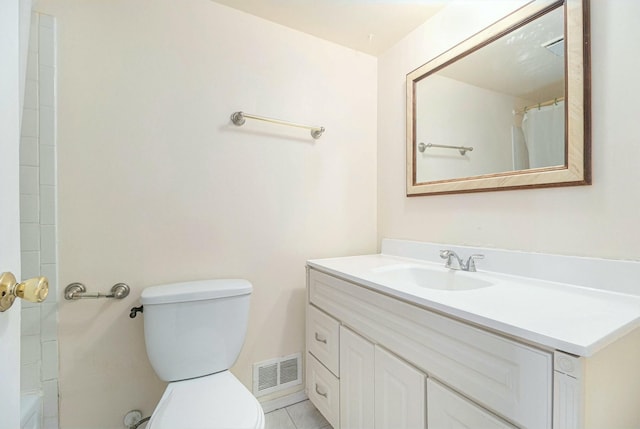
{"points": [[540, 140]]}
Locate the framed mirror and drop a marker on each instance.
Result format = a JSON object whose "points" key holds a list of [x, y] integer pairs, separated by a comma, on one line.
{"points": [[507, 108]]}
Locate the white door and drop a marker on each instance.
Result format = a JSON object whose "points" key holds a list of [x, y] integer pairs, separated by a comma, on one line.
{"points": [[9, 208]]}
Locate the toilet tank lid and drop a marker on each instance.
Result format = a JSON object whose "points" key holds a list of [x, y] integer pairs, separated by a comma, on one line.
{"points": [[195, 291]]}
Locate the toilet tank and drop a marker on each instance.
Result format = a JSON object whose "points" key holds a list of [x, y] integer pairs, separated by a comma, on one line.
{"points": [[195, 328]]}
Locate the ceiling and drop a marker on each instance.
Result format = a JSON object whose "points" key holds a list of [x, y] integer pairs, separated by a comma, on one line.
{"points": [[370, 26], [518, 64]]}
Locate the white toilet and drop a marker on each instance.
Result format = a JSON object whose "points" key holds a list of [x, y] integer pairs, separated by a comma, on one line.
{"points": [[194, 332]]}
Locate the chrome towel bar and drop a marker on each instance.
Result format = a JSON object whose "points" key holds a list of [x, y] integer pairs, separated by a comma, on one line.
{"points": [[461, 149], [238, 118]]}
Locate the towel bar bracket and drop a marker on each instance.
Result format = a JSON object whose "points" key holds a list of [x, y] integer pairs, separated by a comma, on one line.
{"points": [[238, 118]]}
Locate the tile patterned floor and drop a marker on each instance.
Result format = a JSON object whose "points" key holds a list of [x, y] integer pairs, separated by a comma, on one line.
{"points": [[302, 415]]}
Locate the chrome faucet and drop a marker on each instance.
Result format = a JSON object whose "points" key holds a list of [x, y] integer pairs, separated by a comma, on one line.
{"points": [[450, 255]]}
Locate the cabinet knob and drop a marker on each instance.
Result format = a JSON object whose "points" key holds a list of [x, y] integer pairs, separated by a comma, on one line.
{"points": [[32, 290]]}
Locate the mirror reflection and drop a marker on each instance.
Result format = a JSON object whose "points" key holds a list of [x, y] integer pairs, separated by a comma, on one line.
{"points": [[498, 109]]}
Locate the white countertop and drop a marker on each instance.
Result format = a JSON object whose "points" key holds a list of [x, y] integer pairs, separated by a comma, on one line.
{"points": [[573, 319]]}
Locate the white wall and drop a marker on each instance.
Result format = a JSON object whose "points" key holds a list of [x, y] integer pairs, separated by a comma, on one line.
{"points": [[156, 185], [598, 220], [447, 112]]}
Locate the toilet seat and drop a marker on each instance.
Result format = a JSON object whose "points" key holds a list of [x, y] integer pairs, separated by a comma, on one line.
{"points": [[216, 401]]}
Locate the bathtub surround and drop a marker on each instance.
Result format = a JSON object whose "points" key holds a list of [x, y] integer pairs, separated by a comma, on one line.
{"points": [[31, 411], [157, 185], [39, 338]]}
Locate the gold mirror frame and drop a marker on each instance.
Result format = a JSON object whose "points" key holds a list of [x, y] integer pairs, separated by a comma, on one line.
{"points": [[577, 168]]}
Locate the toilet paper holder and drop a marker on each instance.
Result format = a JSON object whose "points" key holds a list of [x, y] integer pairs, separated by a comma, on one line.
{"points": [[76, 291]]}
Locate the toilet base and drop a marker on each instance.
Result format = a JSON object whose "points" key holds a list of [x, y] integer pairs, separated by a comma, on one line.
{"points": [[216, 401]]}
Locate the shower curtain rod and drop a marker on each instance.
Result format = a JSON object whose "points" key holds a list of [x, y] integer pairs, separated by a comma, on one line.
{"points": [[539, 105], [238, 118]]}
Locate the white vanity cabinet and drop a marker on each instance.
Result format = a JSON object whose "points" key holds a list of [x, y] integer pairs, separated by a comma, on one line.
{"points": [[519, 348], [388, 348]]}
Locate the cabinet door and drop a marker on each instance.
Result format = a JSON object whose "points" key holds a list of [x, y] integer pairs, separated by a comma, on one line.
{"points": [[356, 382], [399, 393], [448, 410]]}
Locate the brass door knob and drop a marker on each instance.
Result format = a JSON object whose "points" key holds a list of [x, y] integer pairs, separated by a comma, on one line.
{"points": [[7, 280], [33, 290]]}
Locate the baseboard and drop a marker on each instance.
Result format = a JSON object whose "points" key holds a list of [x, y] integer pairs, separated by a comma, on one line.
{"points": [[284, 401]]}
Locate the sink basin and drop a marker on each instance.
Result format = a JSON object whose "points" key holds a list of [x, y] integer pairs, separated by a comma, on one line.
{"points": [[430, 277]]}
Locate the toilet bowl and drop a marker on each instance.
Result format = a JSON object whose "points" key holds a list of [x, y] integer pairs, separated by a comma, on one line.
{"points": [[214, 401], [193, 334]]}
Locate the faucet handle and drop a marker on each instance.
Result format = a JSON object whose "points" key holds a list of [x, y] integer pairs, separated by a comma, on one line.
{"points": [[450, 255], [471, 262], [444, 254]]}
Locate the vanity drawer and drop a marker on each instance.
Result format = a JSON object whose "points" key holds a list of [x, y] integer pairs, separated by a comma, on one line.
{"points": [[508, 377], [323, 390], [323, 336]]}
